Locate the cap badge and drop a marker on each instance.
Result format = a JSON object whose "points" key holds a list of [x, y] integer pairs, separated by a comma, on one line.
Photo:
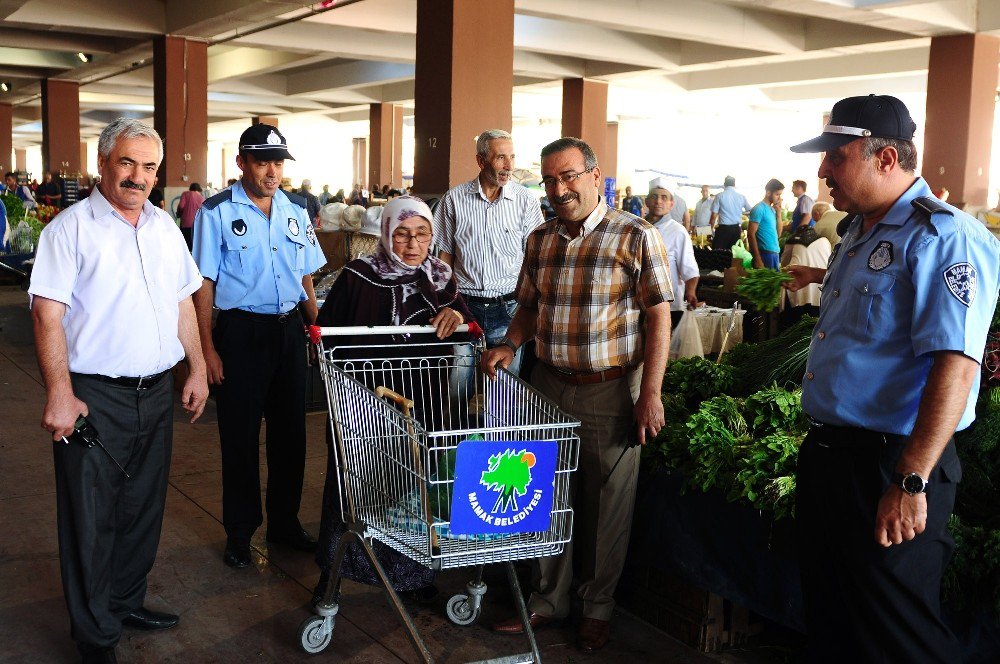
{"points": [[273, 138]]}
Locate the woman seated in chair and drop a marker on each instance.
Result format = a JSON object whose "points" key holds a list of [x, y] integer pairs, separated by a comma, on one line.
{"points": [[400, 284]]}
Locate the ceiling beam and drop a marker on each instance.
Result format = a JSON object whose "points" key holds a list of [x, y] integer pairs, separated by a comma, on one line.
{"points": [[339, 41], [347, 76], [901, 61], [240, 61], [896, 85]]}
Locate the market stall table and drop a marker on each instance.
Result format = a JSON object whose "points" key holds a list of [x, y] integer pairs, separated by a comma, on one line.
{"points": [[713, 323]]}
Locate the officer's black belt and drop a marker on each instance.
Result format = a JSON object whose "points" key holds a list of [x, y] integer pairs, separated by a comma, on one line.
{"points": [[509, 297], [135, 383], [849, 436], [289, 315]]}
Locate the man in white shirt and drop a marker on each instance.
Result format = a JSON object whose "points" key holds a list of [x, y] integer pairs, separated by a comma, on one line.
{"points": [[111, 305], [703, 212], [481, 228], [683, 267]]}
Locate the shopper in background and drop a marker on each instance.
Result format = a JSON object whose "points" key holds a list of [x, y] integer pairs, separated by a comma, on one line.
{"points": [[765, 226], [893, 372], [727, 215], [803, 205], [191, 201]]}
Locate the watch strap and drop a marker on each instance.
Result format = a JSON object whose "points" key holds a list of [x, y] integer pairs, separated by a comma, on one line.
{"points": [[504, 341]]}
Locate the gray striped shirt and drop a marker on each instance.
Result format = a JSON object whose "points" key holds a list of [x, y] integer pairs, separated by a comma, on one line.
{"points": [[486, 238]]}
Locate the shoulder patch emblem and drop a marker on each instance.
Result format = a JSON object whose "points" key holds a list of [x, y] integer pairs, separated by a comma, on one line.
{"points": [[239, 227], [962, 281], [293, 226], [881, 257], [311, 234]]}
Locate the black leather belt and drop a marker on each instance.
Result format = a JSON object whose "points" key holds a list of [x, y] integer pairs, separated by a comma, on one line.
{"points": [[262, 318], [509, 297], [842, 436], [137, 383]]}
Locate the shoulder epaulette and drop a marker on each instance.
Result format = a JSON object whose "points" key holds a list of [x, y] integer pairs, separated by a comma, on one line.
{"points": [[930, 205], [298, 200], [215, 201]]}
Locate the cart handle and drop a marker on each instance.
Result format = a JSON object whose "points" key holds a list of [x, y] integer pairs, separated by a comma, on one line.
{"points": [[316, 332], [383, 392]]}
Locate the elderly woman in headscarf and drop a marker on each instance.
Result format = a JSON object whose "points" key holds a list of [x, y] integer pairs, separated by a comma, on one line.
{"points": [[399, 284]]}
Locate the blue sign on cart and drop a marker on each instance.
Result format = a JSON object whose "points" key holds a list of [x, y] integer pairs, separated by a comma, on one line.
{"points": [[503, 487]]}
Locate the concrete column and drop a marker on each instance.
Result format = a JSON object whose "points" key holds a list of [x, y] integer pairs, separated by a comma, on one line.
{"points": [[180, 111], [609, 162], [20, 160], [83, 158], [585, 113], [60, 126], [264, 119], [6, 138], [397, 148], [961, 100], [464, 80], [381, 138]]}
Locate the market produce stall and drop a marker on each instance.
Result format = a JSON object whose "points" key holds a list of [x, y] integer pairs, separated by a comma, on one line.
{"points": [[719, 484]]}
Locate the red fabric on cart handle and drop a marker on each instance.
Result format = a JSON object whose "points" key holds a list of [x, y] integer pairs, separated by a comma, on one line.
{"points": [[314, 332], [475, 330]]}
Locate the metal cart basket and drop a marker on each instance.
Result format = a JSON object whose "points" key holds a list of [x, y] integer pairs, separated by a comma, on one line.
{"points": [[398, 414]]}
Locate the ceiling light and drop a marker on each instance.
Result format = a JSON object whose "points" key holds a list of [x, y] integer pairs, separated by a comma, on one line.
{"points": [[4, 86], [85, 57]]}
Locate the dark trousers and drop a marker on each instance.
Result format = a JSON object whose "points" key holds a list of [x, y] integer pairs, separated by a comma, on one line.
{"points": [[726, 236], [264, 375], [109, 526], [865, 603]]}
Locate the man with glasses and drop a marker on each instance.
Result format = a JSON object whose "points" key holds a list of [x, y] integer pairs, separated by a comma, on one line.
{"points": [[257, 250], [481, 228], [594, 293]]}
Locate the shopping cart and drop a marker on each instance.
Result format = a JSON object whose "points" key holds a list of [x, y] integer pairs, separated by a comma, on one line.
{"points": [[398, 414]]}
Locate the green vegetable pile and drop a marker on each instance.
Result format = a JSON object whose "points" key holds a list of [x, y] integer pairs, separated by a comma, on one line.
{"points": [[15, 215], [763, 287], [744, 447], [780, 360]]}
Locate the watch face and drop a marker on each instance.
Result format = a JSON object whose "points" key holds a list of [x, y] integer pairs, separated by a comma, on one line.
{"points": [[913, 483]]}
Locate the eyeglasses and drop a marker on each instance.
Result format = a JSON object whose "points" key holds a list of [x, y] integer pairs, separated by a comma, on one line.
{"points": [[564, 178], [402, 237]]}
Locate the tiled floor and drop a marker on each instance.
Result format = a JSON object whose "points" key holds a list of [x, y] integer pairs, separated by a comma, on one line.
{"points": [[249, 615]]}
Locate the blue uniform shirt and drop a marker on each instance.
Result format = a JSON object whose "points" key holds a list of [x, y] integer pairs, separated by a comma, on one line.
{"points": [[257, 264], [916, 283], [730, 206]]}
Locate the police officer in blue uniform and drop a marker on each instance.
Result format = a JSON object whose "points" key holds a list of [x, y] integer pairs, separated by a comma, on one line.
{"points": [[908, 296], [257, 250]]}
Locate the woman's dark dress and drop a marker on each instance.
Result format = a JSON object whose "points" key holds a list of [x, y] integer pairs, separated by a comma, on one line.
{"points": [[361, 297]]}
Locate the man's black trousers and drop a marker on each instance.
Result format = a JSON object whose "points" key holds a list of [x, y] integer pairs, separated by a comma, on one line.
{"points": [[726, 235], [264, 375], [865, 603], [109, 526]]}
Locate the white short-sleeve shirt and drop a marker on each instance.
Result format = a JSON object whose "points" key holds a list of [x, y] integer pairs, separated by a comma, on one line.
{"points": [[680, 251], [121, 285]]}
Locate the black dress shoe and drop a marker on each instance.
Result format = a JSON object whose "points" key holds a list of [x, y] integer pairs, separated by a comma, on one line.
{"points": [[95, 655], [237, 553], [296, 538], [143, 618]]}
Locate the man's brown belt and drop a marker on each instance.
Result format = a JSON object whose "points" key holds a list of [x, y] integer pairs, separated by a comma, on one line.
{"points": [[578, 378]]}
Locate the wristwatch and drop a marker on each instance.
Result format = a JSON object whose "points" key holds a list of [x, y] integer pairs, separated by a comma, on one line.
{"points": [[911, 483], [504, 341]]}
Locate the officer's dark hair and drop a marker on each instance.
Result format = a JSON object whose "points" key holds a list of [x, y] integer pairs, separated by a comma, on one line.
{"points": [[773, 185], [906, 150], [799, 183], [567, 142]]}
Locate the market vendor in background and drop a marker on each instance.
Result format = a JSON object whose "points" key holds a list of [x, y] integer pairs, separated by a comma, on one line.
{"points": [[593, 293], [49, 192], [893, 372], [765, 226], [680, 251], [728, 207], [22, 191]]}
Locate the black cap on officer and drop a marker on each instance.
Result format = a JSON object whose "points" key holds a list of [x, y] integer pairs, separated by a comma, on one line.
{"points": [[878, 116], [265, 143]]}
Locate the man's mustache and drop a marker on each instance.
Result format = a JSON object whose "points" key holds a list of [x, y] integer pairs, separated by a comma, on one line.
{"points": [[565, 198], [129, 184]]}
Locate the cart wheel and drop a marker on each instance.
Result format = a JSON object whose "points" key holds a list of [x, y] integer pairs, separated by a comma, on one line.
{"points": [[311, 634], [460, 611]]}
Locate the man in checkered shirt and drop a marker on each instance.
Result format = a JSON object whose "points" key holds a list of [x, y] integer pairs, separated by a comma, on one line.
{"points": [[594, 293]]}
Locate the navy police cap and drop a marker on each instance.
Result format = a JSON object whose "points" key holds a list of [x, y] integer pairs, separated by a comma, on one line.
{"points": [[878, 116], [265, 143]]}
